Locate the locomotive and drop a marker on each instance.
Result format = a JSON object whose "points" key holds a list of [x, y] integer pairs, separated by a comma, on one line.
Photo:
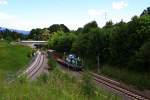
{"points": [[70, 61], [74, 62]]}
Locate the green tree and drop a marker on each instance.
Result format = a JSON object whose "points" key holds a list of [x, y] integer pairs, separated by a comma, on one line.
{"points": [[118, 44], [141, 60], [61, 42], [109, 24], [58, 27], [10, 35], [146, 12], [89, 25], [39, 34]]}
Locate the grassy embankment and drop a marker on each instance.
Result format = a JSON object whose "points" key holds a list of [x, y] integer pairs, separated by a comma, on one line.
{"points": [[12, 58], [56, 86], [138, 80]]}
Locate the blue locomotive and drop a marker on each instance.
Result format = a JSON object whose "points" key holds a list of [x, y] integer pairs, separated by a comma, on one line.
{"points": [[71, 61]]}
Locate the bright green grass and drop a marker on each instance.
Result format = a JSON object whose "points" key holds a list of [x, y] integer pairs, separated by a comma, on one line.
{"points": [[57, 86], [13, 57], [137, 80]]}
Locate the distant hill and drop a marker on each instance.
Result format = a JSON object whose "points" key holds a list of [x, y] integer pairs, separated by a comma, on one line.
{"points": [[18, 31]]}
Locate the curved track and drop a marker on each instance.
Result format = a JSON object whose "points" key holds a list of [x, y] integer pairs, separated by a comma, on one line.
{"points": [[36, 68], [117, 86], [32, 73]]}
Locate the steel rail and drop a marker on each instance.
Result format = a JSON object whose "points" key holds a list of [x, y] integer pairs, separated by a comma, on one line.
{"points": [[38, 67], [116, 86]]}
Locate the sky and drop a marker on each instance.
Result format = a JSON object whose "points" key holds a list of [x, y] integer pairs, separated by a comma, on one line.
{"points": [[29, 14]]}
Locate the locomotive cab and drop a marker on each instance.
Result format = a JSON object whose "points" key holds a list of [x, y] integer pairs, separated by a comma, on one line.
{"points": [[73, 61]]}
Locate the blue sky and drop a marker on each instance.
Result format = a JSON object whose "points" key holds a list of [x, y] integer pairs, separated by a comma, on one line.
{"points": [[28, 14]]}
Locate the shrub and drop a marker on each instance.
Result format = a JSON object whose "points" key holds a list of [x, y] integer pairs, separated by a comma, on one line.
{"points": [[43, 78], [87, 86], [22, 79], [29, 54], [52, 63]]}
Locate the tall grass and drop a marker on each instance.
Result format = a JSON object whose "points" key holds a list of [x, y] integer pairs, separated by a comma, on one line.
{"points": [[52, 63], [137, 80], [87, 85], [58, 86]]}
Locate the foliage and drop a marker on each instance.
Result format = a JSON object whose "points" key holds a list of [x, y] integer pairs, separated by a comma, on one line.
{"points": [[118, 49], [109, 24], [59, 86], [11, 35], [43, 78], [89, 26], [91, 44], [52, 63], [127, 76], [141, 60], [39, 34], [56, 27], [88, 85], [61, 42], [45, 33], [146, 12], [22, 79]]}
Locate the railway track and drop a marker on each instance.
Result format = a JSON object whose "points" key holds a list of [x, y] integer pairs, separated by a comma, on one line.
{"points": [[117, 86], [37, 67], [34, 64], [33, 69]]}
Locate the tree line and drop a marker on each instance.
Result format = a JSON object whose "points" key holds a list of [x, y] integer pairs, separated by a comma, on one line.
{"points": [[9, 35], [125, 45], [45, 33]]}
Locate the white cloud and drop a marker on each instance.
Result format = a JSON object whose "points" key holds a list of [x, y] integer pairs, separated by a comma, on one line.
{"points": [[3, 2], [119, 5], [94, 12], [15, 22], [6, 16], [12, 21]]}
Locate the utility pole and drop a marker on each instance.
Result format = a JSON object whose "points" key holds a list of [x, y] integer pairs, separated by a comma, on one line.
{"points": [[106, 16], [98, 63]]}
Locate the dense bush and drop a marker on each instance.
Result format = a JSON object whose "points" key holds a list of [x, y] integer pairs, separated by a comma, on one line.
{"points": [[87, 86], [61, 42], [52, 63], [141, 60]]}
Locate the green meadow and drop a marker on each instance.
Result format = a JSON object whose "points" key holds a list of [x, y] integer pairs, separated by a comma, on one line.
{"points": [[13, 57]]}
